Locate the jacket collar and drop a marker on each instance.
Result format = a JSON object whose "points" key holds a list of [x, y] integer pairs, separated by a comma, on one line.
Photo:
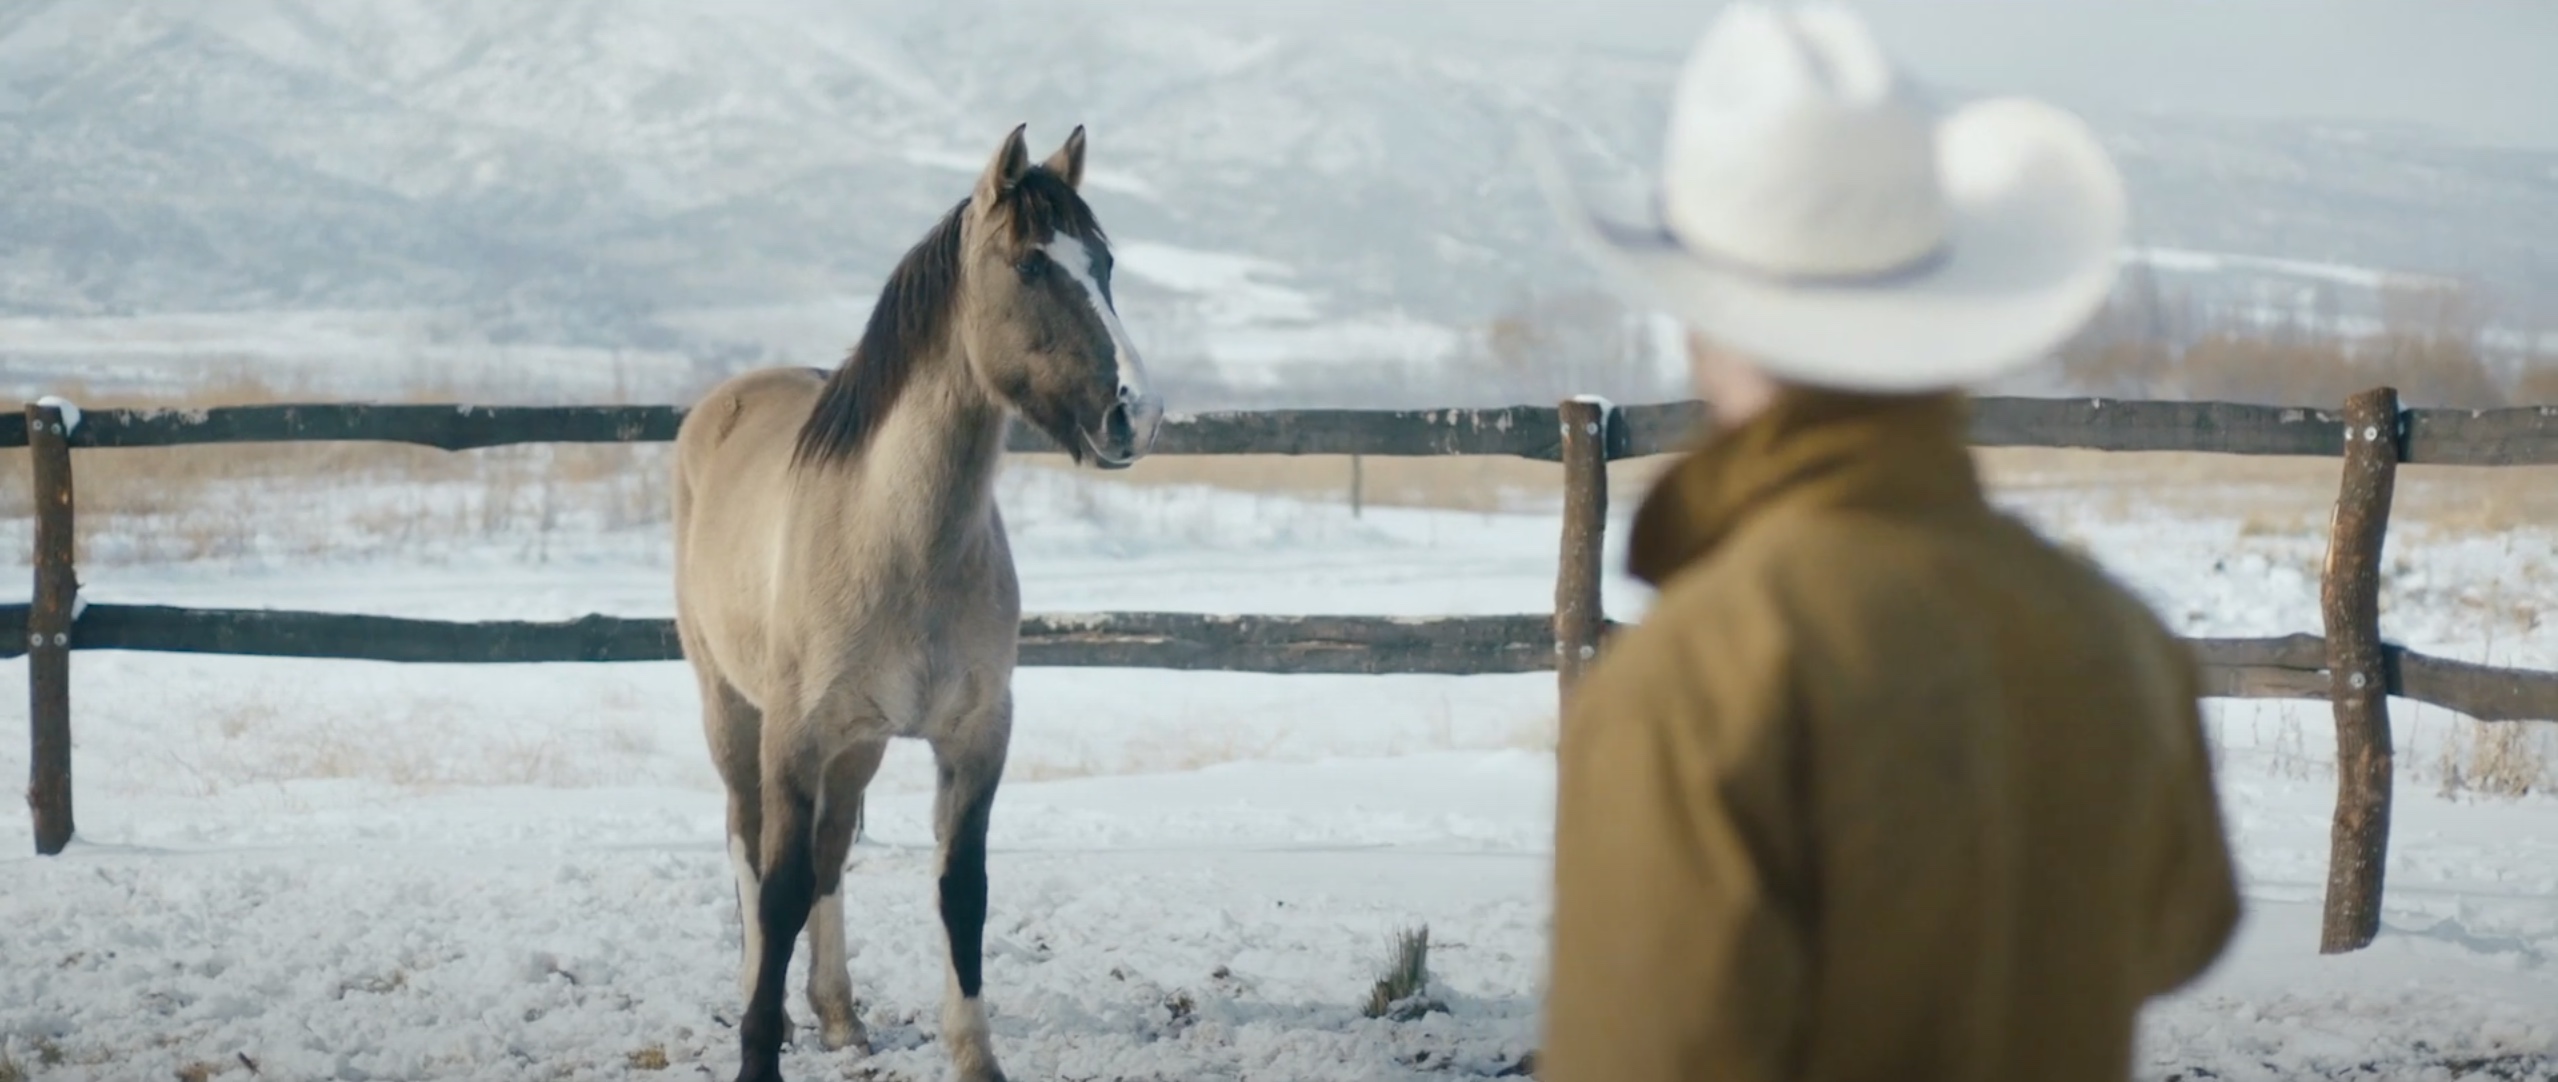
{"points": [[1906, 453]]}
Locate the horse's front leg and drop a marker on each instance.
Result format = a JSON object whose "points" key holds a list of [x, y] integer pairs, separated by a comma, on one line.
{"points": [[970, 761], [839, 818], [788, 889]]}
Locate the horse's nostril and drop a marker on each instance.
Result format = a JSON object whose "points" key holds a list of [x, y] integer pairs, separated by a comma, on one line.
{"points": [[1121, 429]]}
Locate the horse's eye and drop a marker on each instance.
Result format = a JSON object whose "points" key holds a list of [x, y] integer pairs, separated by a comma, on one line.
{"points": [[1032, 265]]}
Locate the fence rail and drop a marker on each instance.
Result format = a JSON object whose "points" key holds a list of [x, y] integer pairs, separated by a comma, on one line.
{"points": [[2282, 667], [2351, 665], [1458, 645], [2501, 437]]}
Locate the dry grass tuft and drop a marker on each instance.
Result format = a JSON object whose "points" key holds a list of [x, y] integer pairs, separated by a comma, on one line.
{"points": [[1402, 988], [159, 505], [2504, 759], [651, 1058], [1440, 483], [307, 500], [402, 742], [2276, 496], [1176, 750], [2274, 371], [2430, 345], [1539, 733]]}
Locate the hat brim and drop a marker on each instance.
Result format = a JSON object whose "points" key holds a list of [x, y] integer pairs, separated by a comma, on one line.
{"points": [[2036, 216]]}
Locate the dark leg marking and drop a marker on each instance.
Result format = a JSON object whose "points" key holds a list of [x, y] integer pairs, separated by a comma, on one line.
{"points": [[963, 888], [789, 889]]}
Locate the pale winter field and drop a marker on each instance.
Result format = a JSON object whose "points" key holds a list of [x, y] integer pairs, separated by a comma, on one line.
{"points": [[348, 870]]}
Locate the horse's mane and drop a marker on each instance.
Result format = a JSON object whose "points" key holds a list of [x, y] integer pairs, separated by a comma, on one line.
{"points": [[911, 318]]}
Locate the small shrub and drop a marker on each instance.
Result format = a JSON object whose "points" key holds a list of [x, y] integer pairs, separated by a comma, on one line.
{"points": [[2503, 759], [1402, 989]]}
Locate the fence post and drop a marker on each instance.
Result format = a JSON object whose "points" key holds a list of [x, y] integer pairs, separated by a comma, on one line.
{"points": [[2349, 598], [1579, 617], [1358, 486], [57, 590]]}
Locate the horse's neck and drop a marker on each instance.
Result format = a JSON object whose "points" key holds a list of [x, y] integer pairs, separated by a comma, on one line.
{"points": [[929, 472]]}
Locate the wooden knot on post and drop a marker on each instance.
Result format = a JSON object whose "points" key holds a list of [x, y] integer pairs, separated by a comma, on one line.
{"points": [[49, 616], [1579, 617], [2349, 602]]}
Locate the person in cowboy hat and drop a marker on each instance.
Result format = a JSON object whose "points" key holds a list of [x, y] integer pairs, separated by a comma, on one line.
{"points": [[1885, 785]]}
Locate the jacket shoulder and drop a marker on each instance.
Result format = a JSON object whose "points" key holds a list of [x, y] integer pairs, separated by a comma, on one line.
{"points": [[1822, 574]]}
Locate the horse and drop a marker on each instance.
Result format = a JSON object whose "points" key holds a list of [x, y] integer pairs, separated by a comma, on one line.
{"points": [[842, 576]]}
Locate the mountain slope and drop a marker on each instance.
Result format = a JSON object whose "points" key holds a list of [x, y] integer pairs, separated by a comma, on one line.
{"points": [[584, 166]]}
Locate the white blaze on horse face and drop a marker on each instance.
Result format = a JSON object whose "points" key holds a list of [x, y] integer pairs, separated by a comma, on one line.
{"points": [[749, 908], [1071, 254]]}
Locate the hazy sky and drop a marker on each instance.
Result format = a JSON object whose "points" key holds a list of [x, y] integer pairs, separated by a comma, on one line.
{"points": [[2485, 70]]}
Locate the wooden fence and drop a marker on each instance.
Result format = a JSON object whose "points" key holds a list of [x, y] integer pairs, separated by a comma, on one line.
{"points": [[2350, 665]]}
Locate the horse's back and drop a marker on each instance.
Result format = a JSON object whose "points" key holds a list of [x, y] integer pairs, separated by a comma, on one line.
{"points": [[761, 406]]}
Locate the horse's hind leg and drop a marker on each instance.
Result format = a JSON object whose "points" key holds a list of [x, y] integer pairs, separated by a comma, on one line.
{"points": [[970, 762], [735, 729], [839, 817]]}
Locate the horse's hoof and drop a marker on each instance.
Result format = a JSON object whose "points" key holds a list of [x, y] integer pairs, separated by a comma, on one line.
{"points": [[845, 1034]]}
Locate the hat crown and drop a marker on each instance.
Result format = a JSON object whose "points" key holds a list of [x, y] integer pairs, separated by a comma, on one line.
{"points": [[1796, 149]]}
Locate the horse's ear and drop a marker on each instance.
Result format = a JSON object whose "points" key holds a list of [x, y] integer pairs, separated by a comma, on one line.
{"points": [[1011, 161], [1068, 162]]}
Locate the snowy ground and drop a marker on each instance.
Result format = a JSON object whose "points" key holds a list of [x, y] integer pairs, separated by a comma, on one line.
{"points": [[355, 870]]}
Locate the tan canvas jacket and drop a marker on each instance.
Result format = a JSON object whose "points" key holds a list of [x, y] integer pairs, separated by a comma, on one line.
{"points": [[1884, 787]]}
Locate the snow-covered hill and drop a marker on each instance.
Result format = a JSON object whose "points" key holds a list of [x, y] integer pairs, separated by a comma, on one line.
{"points": [[671, 175]]}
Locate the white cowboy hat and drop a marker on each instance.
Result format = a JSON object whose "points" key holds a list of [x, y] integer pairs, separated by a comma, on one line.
{"points": [[1813, 215]]}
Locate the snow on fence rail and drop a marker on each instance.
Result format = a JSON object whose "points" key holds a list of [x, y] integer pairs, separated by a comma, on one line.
{"points": [[2350, 665], [2501, 437], [1456, 645]]}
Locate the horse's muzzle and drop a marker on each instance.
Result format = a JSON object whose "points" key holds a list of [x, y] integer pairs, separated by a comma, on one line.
{"points": [[1127, 432]]}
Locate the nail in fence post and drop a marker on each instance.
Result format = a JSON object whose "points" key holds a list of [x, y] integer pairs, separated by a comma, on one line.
{"points": [[1579, 618], [48, 632], [2349, 599]]}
